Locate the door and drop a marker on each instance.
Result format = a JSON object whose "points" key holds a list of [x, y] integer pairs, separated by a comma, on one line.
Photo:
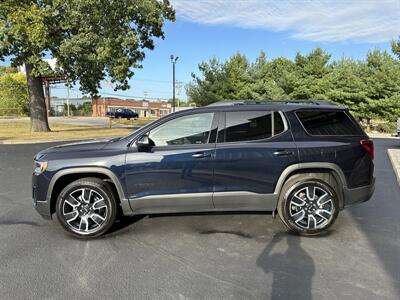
{"points": [[253, 149], [175, 174]]}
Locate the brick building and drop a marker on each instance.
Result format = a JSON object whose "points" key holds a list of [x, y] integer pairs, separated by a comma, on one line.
{"points": [[144, 108]]}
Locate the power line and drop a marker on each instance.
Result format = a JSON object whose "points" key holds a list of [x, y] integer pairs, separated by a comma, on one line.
{"points": [[151, 80], [147, 90], [112, 94]]}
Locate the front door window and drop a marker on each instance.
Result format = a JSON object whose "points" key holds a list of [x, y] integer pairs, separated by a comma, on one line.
{"points": [[193, 129]]}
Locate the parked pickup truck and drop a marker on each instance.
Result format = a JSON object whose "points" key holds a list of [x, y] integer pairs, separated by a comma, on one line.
{"points": [[123, 113]]}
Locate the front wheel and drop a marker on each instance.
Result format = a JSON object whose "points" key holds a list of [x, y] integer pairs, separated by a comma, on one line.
{"points": [[308, 204], [86, 208]]}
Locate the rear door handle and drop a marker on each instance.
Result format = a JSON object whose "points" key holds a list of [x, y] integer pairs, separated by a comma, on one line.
{"points": [[201, 155], [283, 153]]}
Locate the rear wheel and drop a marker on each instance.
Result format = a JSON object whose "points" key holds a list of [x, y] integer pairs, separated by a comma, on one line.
{"points": [[308, 204], [86, 208]]}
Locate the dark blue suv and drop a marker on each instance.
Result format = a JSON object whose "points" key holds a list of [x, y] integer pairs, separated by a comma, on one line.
{"points": [[305, 160]]}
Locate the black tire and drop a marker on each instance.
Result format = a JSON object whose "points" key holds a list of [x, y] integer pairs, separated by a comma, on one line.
{"points": [[98, 212], [299, 203]]}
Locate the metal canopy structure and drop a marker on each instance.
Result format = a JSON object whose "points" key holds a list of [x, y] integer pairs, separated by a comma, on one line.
{"points": [[46, 82]]}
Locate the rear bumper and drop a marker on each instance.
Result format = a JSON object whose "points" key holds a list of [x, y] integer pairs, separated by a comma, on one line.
{"points": [[358, 195]]}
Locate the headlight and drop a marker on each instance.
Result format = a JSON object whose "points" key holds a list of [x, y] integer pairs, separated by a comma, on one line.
{"points": [[39, 167]]}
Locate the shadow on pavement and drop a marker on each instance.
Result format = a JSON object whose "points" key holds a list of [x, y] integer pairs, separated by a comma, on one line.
{"points": [[292, 267], [379, 217], [124, 222]]}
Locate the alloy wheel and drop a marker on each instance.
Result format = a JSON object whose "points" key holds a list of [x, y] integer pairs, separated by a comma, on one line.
{"points": [[85, 210], [311, 207]]}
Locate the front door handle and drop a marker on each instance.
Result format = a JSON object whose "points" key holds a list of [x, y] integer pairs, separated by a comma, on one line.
{"points": [[201, 155], [283, 153]]}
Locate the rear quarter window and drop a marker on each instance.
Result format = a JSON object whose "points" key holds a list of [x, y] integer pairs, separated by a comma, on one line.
{"points": [[328, 123]]}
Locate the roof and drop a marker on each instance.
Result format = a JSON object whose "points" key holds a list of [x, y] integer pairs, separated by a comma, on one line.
{"points": [[274, 104]]}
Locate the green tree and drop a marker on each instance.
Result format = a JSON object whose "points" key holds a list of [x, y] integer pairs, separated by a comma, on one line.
{"points": [[396, 47], [382, 80], [309, 80], [281, 70], [211, 87], [13, 94], [370, 87], [86, 108], [347, 86], [382, 75], [267, 78], [91, 40], [236, 70]]}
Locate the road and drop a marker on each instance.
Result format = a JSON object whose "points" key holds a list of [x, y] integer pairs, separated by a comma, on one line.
{"points": [[199, 257]]}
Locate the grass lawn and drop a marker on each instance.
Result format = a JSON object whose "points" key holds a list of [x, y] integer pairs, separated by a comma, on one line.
{"points": [[19, 132], [135, 123]]}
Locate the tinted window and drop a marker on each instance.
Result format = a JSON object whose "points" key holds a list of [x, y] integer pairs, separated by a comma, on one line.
{"points": [[193, 129], [279, 125], [328, 123], [247, 126]]}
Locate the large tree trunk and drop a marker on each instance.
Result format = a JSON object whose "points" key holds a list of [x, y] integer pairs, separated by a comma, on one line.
{"points": [[37, 104]]}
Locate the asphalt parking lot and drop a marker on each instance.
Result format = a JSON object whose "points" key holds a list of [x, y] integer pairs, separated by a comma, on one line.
{"points": [[199, 257]]}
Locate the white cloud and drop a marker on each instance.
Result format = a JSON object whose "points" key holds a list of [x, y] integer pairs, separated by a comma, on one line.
{"points": [[318, 20]]}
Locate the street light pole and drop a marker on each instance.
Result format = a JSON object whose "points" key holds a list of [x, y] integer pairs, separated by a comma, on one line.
{"points": [[173, 61]]}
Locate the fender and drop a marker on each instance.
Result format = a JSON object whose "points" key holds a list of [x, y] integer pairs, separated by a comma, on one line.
{"points": [[121, 194], [337, 171]]}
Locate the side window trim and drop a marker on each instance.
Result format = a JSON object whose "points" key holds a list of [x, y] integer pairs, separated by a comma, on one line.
{"points": [[285, 122], [272, 123], [212, 137], [221, 128]]}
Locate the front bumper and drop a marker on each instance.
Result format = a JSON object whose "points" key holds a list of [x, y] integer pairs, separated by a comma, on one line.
{"points": [[39, 194], [43, 208], [358, 195]]}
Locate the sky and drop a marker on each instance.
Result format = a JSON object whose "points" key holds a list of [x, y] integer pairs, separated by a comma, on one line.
{"points": [[219, 28]]}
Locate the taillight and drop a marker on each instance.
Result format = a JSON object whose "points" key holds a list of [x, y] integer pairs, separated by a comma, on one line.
{"points": [[368, 146]]}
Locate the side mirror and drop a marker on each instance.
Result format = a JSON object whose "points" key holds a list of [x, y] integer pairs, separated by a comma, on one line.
{"points": [[144, 143]]}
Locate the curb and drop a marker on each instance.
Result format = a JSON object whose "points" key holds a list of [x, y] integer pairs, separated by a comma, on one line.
{"points": [[394, 156], [379, 136]]}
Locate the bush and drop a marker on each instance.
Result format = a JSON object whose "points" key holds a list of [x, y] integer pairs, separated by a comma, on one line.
{"points": [[14, 100], [386, 127]]}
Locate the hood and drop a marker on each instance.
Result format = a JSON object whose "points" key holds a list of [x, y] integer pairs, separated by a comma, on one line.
{"points": [[77, 147]]}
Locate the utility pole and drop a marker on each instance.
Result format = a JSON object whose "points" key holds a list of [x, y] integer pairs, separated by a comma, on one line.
{"points": [[173, 61]]}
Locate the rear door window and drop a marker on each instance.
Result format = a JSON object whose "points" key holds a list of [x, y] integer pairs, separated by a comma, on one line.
{"points": [[327, 123], [243, 126]]}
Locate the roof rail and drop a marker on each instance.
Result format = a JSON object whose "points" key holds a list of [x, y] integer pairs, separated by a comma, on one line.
{"points": [[245, 102]]}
